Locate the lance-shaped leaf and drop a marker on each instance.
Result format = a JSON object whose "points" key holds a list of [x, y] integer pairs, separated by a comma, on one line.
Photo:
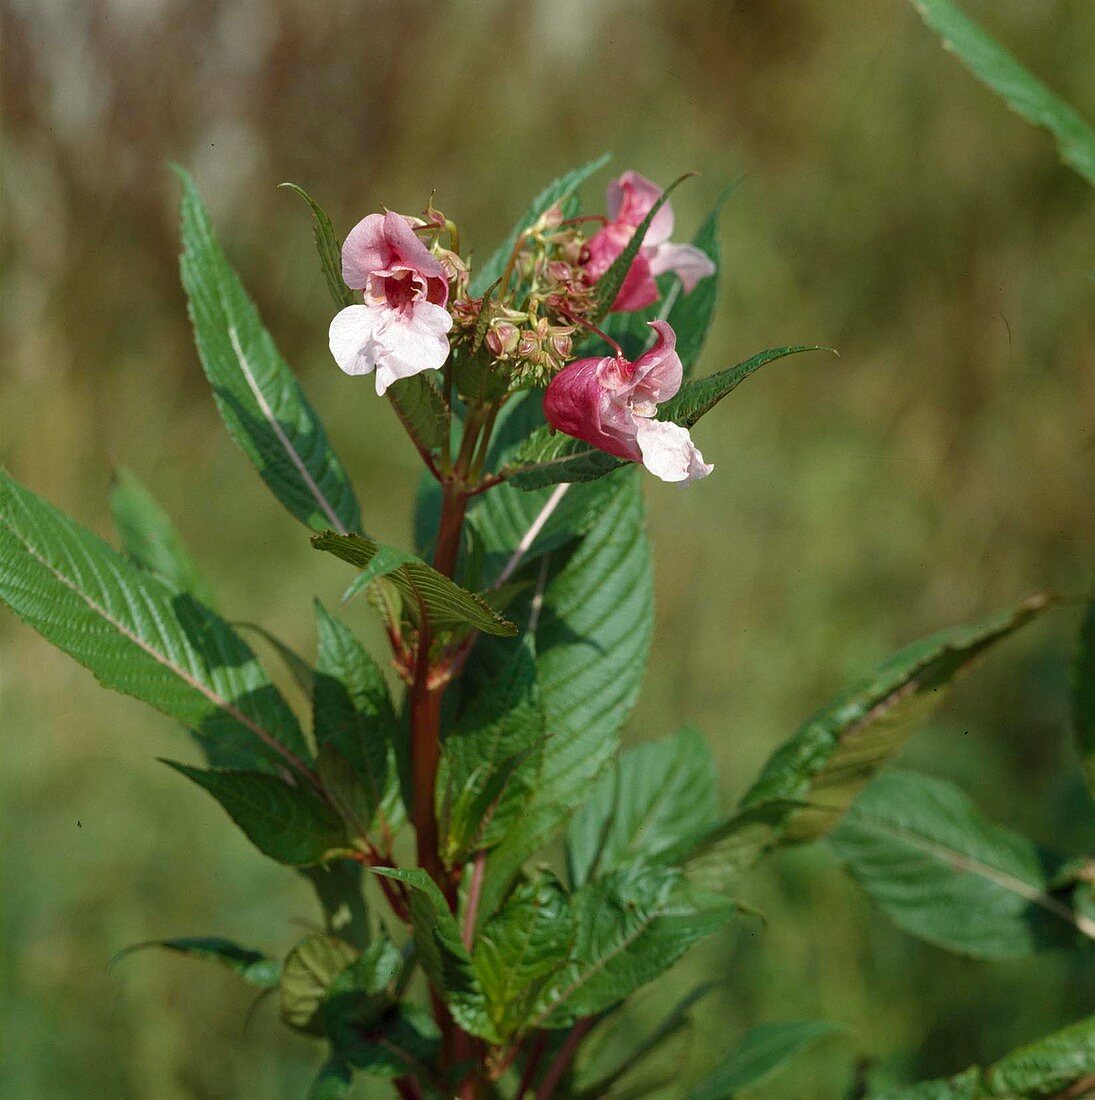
{"points": [[758, 1054], [253, 967], [657, 796], [608, 285], [592, 641], [521, 947], [699, 396], [260, 400], [919, 848], [548, 457], [136, 634], [353, 713], [558, 191], [489, 760], [329, 248], [832, 757], [631, 926], [1022, 91], [426, 592], [151, 540], [1050, 1065], [1083, 697], [290, 824], [441, 950]]}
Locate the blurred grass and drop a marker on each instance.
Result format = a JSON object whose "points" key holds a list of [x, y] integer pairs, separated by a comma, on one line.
{"points": [[941, 467]]}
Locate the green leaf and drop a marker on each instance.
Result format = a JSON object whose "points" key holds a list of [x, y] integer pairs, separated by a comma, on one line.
{"points": [[608, 285], [402, 1042], [353, 713], [303, 674], [655, 797], [556, 192], [261, 402], [1050, 1065], [963, 1086], [940, 871], [521, 947], [441, 950], [592, 641], [549, 457], [1023, 92], [425, 591], [308, 972], [150, 539], [334, 1080], [488, 759], [836, 752], [253, 967], [338, 888], [422, 410], [356, 1002], [329, 248], [137, 635], [632, 925], [758, 1054], [1083, 697], [701, 395], [289, 824]]}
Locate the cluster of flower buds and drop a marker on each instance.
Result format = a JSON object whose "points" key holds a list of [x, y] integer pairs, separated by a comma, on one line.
{"points": [[417, 311]]}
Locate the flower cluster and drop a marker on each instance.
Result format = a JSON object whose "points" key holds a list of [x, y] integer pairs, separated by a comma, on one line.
{"points": [[417, 314]]}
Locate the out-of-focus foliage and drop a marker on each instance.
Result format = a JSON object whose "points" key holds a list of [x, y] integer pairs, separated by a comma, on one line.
{"points": [[941, 467]]}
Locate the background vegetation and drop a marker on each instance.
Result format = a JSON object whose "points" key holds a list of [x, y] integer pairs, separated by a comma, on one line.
{"points": [[943, 466]]}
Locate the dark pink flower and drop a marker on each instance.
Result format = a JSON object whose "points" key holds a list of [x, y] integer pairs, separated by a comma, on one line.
{"points": [[611, 404], [400, 329], [628, 200]]}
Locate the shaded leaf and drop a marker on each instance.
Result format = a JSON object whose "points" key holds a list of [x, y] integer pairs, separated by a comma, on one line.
{"points": [[940, 871], [758, 1054], [303, 674], [333, 1082], [253, 967], [290, 824], [307, 973], [150, 539], [963, 1086], [422, 410], [425, 591], [1022, 91], [1049, 1065], [261, 401], [137, 635]]}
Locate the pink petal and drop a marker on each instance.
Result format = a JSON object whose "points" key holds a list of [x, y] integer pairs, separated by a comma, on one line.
{"points": [[577, 403], [668, 451], [629, 199], [364, 251], [381, 244], [687, 261], [658, 372]]}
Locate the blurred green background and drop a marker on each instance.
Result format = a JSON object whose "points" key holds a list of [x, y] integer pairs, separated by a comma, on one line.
{"points": [[940, 468]]}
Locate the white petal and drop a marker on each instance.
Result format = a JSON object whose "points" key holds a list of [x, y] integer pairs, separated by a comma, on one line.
{"points": [[688, 262], [413, 341], [352, 338], [668, 451]]}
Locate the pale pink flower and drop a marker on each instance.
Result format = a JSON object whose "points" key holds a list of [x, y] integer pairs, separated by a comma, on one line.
{"points": [[401, 328], [628, 201], [611, 403]]}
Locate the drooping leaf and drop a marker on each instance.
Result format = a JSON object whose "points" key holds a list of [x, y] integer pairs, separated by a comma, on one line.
{"points": [[308, 972], [940, 871], [441, 951], [260, 400], [631, 926], [699, 396], [758, 1054], [521, 947], [425, 591], [253, 967], [1050, 1065], [1021, 90], [556, 192], [353, 713], [490, 757], [656, 796], [290, 824], [1083, 697], [329, 248], [151, 540], [592, 640], [836, 752], [137, 635]]}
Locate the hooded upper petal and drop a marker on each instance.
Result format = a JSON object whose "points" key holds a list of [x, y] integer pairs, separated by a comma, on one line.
{"points": [[630, 198], [658, 372], [385, 244]]}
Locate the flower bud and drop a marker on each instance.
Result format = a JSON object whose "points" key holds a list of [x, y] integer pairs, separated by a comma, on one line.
{"points": [[502, 339]]}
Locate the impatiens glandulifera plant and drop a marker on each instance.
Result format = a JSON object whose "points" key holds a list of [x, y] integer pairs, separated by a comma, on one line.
{"points": [[462, 952]]}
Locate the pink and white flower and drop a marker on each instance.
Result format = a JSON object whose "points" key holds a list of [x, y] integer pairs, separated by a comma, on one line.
{"points": [[629, 200], [611, 404], [400, 330]]}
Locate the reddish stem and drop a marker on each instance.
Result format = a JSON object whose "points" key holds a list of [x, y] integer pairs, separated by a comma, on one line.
{"points": [[563, 1059], [408, 1088], [475, 890], [532, 1064]]}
